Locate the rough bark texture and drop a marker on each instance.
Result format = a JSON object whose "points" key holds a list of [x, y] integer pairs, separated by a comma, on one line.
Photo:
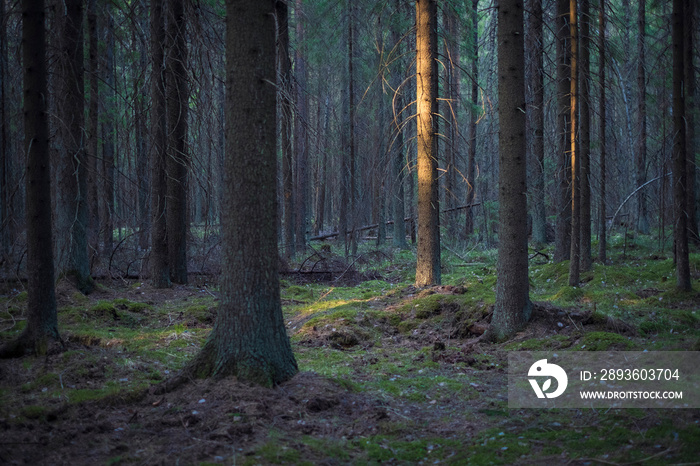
{"points": [[285, 89], [680, 230], [428, 253], [42, 323], [513, 307], [177, 161], [92, 130], [249, 339], [74, 171], [562, 240], [574, 263], [641, 149], [690, 118], [5, 209], [473, 115], [585, 261], [536, 123], [602, 226], [160, 273]]}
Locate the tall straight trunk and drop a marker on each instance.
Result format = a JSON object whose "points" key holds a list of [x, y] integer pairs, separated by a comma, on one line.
{"points": [[574, 263], [451, 53], [562, 240], [285, 89], [641, 149], [585, 137], [92, 131], [142, 135], [5, 166], [249, 339], [177, 161], [399, 169], [73, 182], [323, 168], [301, 138], [690, 118], [680, 177], [535, 121], [602, 218], [42, 325], [108, 139], [428, 252], [351, 139], [160, 272], [513, 307], [473, 115]]}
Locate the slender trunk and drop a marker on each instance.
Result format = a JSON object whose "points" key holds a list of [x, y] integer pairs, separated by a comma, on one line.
{"points": [[574, 263], [585, 260], [690, 118], [473, 115], [5, 208], [428, 253], [602, 219], [141, 134], [351, 140], [535, 121], [641, 149], [680, 179], [108, 140], [160, 272], [301, 139], [513, 306], [399, 165], [177, 161], [562, 241], [92, 129]]}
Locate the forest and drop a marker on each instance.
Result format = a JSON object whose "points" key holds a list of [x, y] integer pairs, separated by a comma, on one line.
{"points": [[317, 232]]}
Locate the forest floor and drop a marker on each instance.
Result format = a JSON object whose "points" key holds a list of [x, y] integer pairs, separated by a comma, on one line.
{"points": [[388, 373]]}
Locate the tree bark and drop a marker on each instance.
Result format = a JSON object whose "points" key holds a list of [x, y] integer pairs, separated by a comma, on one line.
{"points": [[399, 169], [690, 118], [92, 130], [473, 115], [108, 139], [160, 272], [585, 260], [680, 179], [513, 308], [574, 263], [562, 240], [428, 252], [536, 123], [641, 149], [602, 218], [249, 339], [301, 138], [42, 325], [177, 161]]}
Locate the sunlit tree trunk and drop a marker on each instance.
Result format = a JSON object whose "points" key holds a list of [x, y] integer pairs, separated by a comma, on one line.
{"points": [[602, 226], [177, 161], [574, 263], [562, 240], [160, 272], [680, 179], [513, 306], [41, 325], [249, 339], [428, 253]]}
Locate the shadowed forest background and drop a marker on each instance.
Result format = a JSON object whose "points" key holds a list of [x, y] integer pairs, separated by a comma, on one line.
{"points": [[435, 183]]}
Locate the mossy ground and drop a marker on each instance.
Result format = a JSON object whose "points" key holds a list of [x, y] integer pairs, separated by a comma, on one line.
{"points": [[398, 380]]}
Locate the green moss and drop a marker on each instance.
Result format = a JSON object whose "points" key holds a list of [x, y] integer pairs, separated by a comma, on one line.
{"points": [[603, 341], [299, 293]]}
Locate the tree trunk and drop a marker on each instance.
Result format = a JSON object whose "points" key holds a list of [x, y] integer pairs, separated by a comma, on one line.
{"points": [[301, 138], [160, 272], [399, 168], [513, 307], [92, 130], [574, 263], [5, 208], [535, 120], [473, 115], [602, 218], [690, 118], [428, 252], [177, 161], [141, 130], [249, 339], [108, 139], [641, 149], [42, 325], [562, 240], [585, 260], [351, 140], [680, 180]]}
